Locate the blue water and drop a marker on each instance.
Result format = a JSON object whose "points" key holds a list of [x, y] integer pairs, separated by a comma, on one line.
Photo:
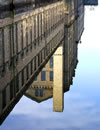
{"points": [[81, 103]]}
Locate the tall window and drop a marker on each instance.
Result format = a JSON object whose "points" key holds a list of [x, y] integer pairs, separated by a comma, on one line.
{"points": [[34, 63], [51, 62], [41, 92], [22, 77], [17, 83], [11, 89], [27, 73], [31, 67], [36, 92], [43, 75], [3, 98], [51, 75], [38, 59]]}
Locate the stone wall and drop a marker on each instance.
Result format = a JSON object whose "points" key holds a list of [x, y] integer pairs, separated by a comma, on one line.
{"points": [[27, 41], [9, 7]]}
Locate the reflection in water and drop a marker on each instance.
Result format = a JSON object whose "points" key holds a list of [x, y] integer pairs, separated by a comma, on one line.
{"points": [[39, 94], [50, 81], [27, 42], [82, 105]]}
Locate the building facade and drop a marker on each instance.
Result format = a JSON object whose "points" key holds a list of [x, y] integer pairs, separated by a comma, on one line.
{"points": [[29, 39]]}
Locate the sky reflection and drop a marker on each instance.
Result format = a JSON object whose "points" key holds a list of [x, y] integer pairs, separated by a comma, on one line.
{"points": [[81, 103]]}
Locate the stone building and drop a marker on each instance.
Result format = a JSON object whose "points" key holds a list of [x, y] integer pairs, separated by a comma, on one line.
{"points": [[52, 81], [64, 59], [29, 39]]}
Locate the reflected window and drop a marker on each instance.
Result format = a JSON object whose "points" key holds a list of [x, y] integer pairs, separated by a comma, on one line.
{"points": [[34, 63], [3, 98], [43, 75], [35, 79], [22, 77], [36, 92], [27, 73], [17, 83], [41, 92], [51, 62], [38, 59], [31, 67], [11, 90], [51, 75]]}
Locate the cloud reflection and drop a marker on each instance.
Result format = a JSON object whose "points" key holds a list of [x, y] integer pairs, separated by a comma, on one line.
{"points": [[78, 114]]}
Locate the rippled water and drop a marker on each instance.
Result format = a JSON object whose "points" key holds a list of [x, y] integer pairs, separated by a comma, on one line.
{"points": [[81, 103]]}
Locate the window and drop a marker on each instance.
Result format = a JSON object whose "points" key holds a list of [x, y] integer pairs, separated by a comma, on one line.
{"points": [[51, 75], [3, 98], [44, 53], [41, 26], [17, 83], [41, 92], [34, 63], [31, 67], [34, 30], [38, 59], [43, 75], [27, 73], [41, 56], [51, 62], [11, 90], [22, 38], [38, 30], [22, 77], [31, 36], [36, 92]]}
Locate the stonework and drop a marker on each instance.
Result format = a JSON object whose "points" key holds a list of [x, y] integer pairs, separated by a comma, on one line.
{"points": [[58, 80], [26, 44]]}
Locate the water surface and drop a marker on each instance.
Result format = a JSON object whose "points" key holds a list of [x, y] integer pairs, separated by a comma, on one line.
{"points": [[81, 103]]}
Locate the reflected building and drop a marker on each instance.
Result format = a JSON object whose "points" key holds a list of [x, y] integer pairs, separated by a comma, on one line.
{"points": [[53, 81], [27, 45], [42, 87], [64, 60], [9, 7], [27, 41]]}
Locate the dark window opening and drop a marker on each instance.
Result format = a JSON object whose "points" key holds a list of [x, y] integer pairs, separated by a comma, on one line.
{"points": [[51, 62], [27, 73], [51, 75], [11, 90], [38, 59], [22, 77], [36, 92], [34, 63], [17, 83], [41, 92], [43, 75], [31, 64], [3, 98]]}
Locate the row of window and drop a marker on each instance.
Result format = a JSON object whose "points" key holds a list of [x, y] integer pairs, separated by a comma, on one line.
{"points": [[43, 76], [23, 52], [18, 82], [38, 92], [14, 85], [27, 32], [9, 90]]}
